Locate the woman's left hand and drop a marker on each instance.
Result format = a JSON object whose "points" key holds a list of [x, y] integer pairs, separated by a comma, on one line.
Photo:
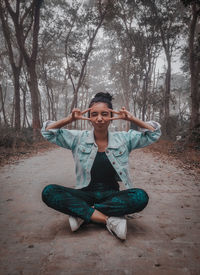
{"points": [[122, 114]]}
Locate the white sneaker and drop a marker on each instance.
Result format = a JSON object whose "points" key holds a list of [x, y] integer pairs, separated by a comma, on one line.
{"points": [[75, 222], [118, 226]]}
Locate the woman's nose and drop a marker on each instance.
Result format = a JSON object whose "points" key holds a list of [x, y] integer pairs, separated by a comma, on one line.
{"points": [[99, 118]]}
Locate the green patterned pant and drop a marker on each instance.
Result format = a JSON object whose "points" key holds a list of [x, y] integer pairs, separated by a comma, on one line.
{"points": [[79, 202]]}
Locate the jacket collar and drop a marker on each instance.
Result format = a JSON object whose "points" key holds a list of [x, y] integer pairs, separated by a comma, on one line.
{"points": [[111, 139]]}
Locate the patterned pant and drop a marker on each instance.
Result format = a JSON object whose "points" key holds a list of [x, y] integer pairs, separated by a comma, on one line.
{"points": [[78, 202]]}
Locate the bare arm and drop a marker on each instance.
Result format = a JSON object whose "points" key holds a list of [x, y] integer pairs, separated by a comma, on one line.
{"points": [[60, 123], [141, 123], [126, 115], [75, 115]]}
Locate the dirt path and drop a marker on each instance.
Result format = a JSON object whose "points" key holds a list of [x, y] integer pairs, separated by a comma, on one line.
{"points": [[164, 239]]}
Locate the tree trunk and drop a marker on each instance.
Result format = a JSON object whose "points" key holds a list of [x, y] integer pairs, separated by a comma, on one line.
{"points": [[33, 86], [12, 114], [16, 69], [194, 71], [24, 109], [3, 106], [167, 96], [145, 92], [16, 74], [30, 53], [195, 98], [167, 90], [143, 100], [86, 57]]}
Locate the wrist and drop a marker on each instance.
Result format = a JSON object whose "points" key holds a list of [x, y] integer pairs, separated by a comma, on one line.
{"points": [[70, 119], [132, 118]]}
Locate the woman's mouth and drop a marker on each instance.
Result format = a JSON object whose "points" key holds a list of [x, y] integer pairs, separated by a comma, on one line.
{"points": [[100, 124]]}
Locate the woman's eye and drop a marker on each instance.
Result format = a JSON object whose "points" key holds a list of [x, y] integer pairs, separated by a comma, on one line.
{"points": [[93, 114], [105, 114]]}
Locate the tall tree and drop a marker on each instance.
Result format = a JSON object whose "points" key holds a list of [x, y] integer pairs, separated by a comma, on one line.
{"points": [[85, 24], [51, 65], [26, 19], [194, 59], [15, 61], [2, 109], [168, 15], [137, 46]]}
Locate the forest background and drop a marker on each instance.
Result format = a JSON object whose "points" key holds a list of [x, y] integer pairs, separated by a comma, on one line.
{"points": [[55, 55]]}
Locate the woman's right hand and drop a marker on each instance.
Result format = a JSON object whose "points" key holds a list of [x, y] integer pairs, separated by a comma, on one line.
{"points": [[77, 114]]}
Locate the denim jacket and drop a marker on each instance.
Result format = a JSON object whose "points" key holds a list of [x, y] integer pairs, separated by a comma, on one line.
{"points": [[84, 149]]}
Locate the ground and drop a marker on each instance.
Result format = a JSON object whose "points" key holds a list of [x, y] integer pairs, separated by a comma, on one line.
{"points": [[162, 239]]}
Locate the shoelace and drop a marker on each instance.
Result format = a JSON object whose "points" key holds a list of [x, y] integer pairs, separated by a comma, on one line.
{"points": [[133, 216], [128, 217]]}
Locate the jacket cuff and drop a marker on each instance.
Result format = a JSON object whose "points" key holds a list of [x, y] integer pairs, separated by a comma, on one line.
{"points": [[152, 123], [46, 124]]}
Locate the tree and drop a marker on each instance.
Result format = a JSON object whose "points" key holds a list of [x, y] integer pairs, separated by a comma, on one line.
{"points": [[79, 42], [135, 50], [2, 100], [168, 15], [26, 18], [51, 64], [194, 60], [15, 61]]}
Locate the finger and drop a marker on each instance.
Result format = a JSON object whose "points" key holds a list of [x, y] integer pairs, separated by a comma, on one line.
{"points": [[85, 111], [84, 118], [113, 111], [114, 118], [123, 110], [75, 110]]}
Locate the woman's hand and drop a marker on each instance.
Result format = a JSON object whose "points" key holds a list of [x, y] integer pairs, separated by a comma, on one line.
{"points": [[126, 115], [77, 114], [122, 114]]}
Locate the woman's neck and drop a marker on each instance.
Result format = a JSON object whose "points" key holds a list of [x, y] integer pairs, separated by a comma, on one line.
{"points": [[101, 139], [101, 136]]}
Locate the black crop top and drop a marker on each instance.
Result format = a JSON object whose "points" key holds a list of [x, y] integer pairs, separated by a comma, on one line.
{"points": [[103, 175]]}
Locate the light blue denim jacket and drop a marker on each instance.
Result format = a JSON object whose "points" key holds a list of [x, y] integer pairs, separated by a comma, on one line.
{"points": [[84, 149]]}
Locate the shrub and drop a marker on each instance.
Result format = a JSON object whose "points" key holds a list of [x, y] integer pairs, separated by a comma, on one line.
{"points": [[10, 138]]}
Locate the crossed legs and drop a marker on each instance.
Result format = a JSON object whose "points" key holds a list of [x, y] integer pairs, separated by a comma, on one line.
{"points": [[95, 206]]}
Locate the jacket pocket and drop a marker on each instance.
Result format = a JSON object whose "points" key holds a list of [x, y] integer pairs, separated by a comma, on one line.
{"points": [[121, 155], [84, 153], [84, 150]]}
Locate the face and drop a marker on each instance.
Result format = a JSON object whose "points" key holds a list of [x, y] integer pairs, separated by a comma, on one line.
{"points": [[99, 116]]}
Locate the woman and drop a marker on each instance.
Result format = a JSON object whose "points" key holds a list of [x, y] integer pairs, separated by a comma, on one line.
{"points": [[101, 159]]}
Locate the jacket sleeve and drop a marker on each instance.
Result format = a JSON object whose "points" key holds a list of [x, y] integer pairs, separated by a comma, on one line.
{"points": [[143, 137], [62, 137]]}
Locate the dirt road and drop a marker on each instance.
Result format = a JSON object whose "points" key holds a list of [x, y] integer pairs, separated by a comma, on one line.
{"points": [[163, 239]]}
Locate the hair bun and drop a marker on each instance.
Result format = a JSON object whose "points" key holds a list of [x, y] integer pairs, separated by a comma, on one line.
{"points": [[104, 95], [102, 98]]}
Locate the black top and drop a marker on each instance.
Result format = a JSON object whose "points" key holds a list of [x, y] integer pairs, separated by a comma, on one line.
{"points": [[103, 175]]}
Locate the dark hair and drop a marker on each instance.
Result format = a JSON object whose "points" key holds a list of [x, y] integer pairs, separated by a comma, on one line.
{"points": [[102, 97]]}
